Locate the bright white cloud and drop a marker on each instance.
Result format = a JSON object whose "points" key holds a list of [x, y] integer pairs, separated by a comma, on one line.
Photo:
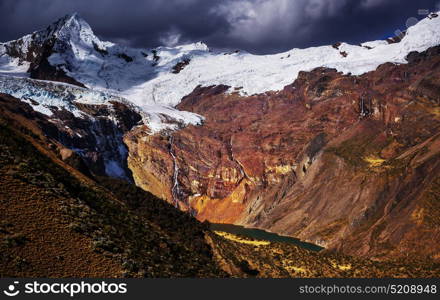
{"points": [[255, 20], [323, 8], [170, 38], [250, 20]]}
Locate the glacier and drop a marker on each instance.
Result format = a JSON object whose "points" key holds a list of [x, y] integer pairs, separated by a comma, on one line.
{"points": [[145, 77]]}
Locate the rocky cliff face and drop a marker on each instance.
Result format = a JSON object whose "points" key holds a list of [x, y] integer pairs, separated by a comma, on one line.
{"points": [[348, 162], [110, 228]]}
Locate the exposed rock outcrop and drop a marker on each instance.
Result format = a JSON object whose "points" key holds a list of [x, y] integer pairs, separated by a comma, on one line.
{"points": [[110, 228], [347, 162]]}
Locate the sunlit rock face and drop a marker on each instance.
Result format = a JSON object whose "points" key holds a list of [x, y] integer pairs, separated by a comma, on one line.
{"points": [[347, 162]]}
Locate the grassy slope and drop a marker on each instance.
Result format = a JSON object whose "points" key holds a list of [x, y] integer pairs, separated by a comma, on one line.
{"points": [[56, 222]]}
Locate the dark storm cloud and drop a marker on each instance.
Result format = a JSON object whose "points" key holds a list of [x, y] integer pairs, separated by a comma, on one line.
{"points": [[260, 26]]}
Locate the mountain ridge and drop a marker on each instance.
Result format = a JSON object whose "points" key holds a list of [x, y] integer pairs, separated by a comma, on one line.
{"points": [[147, 76]]}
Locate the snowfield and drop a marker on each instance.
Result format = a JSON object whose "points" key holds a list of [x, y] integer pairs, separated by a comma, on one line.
{"points": [[147, 77]]}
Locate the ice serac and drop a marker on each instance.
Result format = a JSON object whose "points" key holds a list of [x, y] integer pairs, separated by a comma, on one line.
{"points": [[89, 124], [347, 162]]}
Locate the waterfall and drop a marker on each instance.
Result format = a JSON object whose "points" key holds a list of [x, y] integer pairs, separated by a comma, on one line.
{"points": [[362, 107], [231, 154], [175, 189], [364, 110]]}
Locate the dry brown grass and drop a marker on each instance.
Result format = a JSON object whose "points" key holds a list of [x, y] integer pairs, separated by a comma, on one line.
{"points": [[51, 247]]}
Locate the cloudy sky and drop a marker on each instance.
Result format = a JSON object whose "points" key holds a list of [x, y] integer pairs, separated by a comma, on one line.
{"points": [[258, 26]]}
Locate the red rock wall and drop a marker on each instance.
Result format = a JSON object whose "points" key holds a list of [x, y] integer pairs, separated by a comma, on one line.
{"points": [[348, 162]]}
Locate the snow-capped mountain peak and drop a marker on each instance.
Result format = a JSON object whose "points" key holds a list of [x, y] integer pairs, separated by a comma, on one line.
{"points": [[70, 27], [69, 51], [73, 28]]}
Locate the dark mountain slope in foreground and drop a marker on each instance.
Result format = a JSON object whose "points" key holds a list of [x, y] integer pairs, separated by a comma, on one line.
{"points": [[57, 222]]}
